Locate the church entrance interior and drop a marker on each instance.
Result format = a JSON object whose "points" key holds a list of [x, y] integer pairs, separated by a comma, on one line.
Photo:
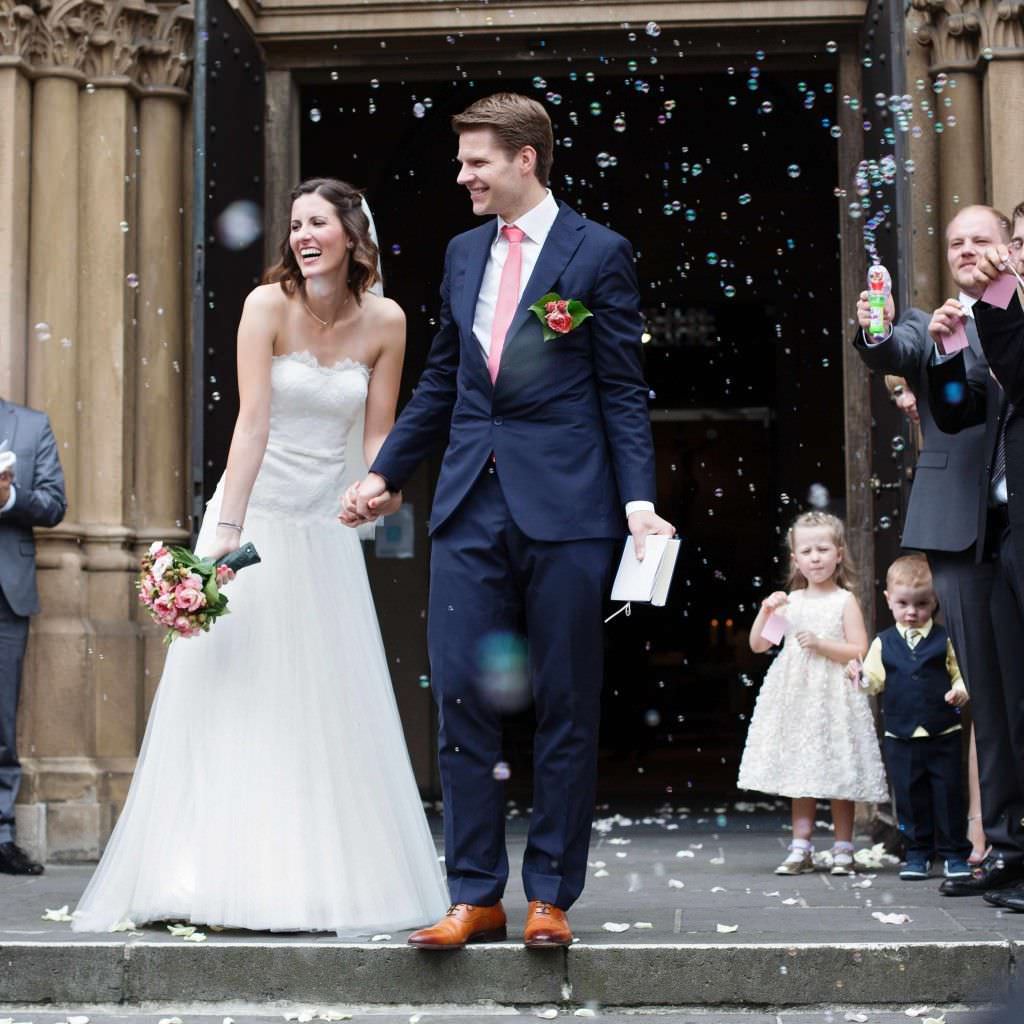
{"points": [[722, 176]]}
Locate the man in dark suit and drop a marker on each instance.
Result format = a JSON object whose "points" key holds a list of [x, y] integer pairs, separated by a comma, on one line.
{"points": [[962, 398], [31, 494], [549, 453], [942, 515]]}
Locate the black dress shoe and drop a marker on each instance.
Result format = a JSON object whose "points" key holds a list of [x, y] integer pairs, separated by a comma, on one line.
{"points": [[1007, 899], [14, 861], [992, 873]]}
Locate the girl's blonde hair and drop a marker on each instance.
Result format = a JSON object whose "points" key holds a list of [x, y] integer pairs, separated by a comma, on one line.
{"points": [[845, 573]]}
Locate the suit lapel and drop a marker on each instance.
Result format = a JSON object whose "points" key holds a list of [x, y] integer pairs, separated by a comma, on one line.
{"points": [[475, 257], [973, 341], [563, 240]]}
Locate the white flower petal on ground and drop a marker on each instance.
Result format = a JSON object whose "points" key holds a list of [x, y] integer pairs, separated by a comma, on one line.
{"points": [[685, 853], [181, 931], [935, 1020], [674, 883], [864, 883], [548, 1014], [228, 1020], [892, 919], [615, 926], [642, 924], [856, 1018], [125, 925], [60, 914], [622, 855], [601, 874], [79, 1019], [775, 893], [331, 1015], [584, 1011], [916, 1011], [717, 860], [196, 937], [718, 888], [381, 938], [726, 929], [696, 846], [791, 902], [416, 1018], [170, 1020]]}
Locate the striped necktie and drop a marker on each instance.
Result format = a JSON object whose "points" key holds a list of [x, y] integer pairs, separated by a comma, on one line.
{"points": [[999, 462], [913, 638]]}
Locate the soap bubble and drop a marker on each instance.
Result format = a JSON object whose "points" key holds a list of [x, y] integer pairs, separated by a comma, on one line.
{"points": [[595, 108], [884, 522], [653, 29], [132, 280], [619, 124], [501, 772], [744, 199], [818, 496], [502, 676], [793, 170], [315, 115], [124, 227], [652, 718], [239, 225], [831, 46], [418, 110], [42, 331], [712, 259]]}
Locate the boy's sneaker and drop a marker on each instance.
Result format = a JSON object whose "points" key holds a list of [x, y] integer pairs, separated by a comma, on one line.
{"points": [[915, 868], [956, 867]]}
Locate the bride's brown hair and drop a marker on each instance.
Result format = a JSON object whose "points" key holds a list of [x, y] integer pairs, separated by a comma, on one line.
{"points": [[348, 205]]}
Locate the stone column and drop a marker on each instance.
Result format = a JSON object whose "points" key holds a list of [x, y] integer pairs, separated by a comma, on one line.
{"points": [[1004, 102], [15, 134], [953, 31], [162, 393], [93, 240]]}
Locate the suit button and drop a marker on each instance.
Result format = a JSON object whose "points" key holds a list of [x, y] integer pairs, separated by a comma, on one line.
{"points": [[497, 421]]}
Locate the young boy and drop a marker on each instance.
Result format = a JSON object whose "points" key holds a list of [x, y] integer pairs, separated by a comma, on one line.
{"points": [[913, 666]]}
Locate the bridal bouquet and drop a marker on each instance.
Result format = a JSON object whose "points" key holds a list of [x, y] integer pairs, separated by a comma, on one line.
{"points": [[183, 592]]}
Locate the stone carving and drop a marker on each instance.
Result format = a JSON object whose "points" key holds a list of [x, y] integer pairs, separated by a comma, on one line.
{"points": [[15, 28], [165, 56], [961, 33], [113, 38]]}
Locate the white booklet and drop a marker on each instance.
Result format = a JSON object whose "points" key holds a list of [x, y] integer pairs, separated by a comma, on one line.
{"points": [[649, 580]]}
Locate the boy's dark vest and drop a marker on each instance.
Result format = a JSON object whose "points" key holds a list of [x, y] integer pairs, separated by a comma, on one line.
{"points": [[916, 681]]}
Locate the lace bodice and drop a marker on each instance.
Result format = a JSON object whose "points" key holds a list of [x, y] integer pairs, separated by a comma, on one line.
{"points": [[821, 615], [313, 409]]}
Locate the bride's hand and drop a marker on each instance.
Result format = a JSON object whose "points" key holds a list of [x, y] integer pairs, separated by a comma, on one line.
{"points": [[225, 541], [386, 504]]}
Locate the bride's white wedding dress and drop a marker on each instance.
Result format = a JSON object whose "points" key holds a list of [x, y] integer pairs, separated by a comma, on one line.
{"points": [[274, 789]]}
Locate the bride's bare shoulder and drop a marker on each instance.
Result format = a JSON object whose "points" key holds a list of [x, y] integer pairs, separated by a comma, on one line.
{"points": [[384, 312], [267, 299]]}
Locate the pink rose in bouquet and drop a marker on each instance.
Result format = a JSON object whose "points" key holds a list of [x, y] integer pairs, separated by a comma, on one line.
{"points": [[183, 592]]}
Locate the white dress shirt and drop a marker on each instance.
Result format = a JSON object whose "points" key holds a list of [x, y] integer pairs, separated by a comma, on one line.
{"points": [[536, 225]]}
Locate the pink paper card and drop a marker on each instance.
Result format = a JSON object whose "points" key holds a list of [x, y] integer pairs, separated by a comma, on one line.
{"points": [[775, 628], [1000, 291], [957, 340]]}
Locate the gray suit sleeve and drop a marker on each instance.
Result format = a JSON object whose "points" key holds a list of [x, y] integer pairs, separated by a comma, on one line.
{"points": [[41, 501], [901, 353]]}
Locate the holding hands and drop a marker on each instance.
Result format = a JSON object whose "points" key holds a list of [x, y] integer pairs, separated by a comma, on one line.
{"points": [[367, 500]]}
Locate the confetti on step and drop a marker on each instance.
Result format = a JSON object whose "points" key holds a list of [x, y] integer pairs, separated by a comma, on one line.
{"points": [[864, 883], [856, 1018], [181, 931], [718, 888], [717, 860], [726, 929], [791, 902], [775, 893], [614, 926], [916, 1011], [892, 919], [381, 938], [60, 914], [685, 853], [228, 1020], [584, 1011], [78, 1019], [696, 846], [196, 937], [601, 874], [674, 883], [332, 1015], [170, 1020], [935, 1020], [642, 924], [125, 925], [548, 1014]]}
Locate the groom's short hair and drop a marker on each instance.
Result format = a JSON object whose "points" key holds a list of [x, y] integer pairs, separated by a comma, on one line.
{"points": [[516, 121]]}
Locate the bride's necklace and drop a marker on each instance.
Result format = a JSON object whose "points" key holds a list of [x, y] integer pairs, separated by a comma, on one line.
{"points": [[327, 323]]}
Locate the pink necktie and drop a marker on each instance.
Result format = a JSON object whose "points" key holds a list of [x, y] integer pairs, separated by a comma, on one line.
{"points": [[508, 296]]}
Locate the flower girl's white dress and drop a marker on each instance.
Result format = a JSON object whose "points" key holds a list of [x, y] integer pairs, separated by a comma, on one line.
{"points": [[274, 788]]}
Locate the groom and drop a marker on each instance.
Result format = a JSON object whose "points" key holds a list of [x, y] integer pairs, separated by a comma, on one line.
{"points": [[549, 453]]}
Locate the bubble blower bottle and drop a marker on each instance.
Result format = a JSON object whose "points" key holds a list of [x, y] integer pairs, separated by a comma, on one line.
{"points": [[879, 289]]}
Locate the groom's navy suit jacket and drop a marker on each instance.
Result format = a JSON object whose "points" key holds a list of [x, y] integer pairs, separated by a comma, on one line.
{"points": [[567, 420]]}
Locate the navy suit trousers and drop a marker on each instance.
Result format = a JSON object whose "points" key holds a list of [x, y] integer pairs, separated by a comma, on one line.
{"points": [[494, 592], [13, 637]]}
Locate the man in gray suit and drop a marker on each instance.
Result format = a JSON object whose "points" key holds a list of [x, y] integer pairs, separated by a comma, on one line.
{"points": [[31, 494], [942, 521]]}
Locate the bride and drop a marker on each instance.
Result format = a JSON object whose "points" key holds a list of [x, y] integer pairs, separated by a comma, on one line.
{"points": [[274, 790]]}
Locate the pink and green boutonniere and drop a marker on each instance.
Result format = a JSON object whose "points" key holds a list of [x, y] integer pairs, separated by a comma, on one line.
{"points": [[559, 316]]}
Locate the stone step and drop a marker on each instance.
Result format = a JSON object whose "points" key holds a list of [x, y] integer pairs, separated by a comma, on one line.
{"points": [[768, 975]]}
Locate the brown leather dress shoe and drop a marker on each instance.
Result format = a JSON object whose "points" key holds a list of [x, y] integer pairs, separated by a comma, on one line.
{"points": [[546, 926], [463, 923]]}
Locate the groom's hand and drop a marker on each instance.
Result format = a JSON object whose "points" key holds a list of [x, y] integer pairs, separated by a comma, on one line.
{"points": [[643, 525], [368, 500]]}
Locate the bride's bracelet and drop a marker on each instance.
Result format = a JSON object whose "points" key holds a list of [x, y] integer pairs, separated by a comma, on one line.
{"points": [[234, 526]]}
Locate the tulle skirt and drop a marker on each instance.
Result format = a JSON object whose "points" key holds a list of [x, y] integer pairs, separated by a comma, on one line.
{"points": [[274, 789]]}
